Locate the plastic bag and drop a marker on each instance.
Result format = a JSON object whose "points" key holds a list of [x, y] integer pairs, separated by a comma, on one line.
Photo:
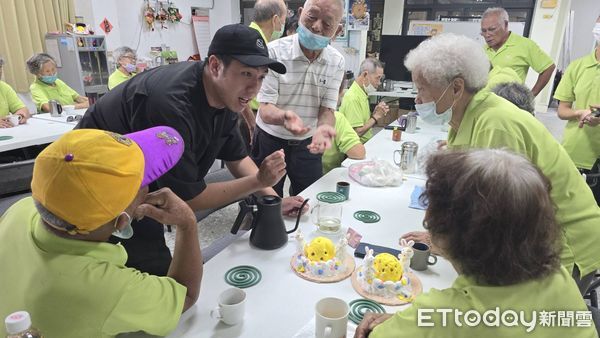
{"points": [[376, 173]]}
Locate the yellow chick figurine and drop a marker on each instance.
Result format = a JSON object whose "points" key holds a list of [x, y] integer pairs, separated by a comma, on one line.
{"points": [[320, 249], [387, 267]]}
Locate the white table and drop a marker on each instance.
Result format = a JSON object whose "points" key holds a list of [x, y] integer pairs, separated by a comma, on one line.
{"points": [[62, 118], [401, 94], [34, 132], [282, 303], [381, 146]]}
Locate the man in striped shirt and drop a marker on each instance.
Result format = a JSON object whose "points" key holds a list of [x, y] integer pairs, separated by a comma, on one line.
{"points": [[296, 109]]}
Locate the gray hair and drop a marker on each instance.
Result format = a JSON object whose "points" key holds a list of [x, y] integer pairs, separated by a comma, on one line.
{"points": [[500, 12], [51, 218], [267, 9], [370, 65], [37, 61], [447, 56], [517, 94], [118, 53], [341, 3]]}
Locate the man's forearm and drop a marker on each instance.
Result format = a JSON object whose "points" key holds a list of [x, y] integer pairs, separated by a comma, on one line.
{"points": [[222, 193], [326, 116], [186, 266], [270, 114], [542, 80], [364, 129]]}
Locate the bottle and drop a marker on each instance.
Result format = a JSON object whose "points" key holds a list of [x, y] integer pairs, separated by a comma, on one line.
{"points": [[18, 325], [396, 134]]}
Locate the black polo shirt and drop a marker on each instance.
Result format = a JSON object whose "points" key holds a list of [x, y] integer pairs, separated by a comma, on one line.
{"points": [[172, 95]]}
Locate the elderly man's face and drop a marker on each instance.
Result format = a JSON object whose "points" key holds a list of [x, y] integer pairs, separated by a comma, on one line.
{"points": [[429, 93], [494, 31], [322, 17], [375, 77]]}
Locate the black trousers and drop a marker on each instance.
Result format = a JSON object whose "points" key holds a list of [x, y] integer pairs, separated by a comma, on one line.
{"points": [[594, 183], [303, 168]]}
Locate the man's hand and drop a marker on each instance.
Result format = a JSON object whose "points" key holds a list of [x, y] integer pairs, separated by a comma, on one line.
{"points": [[586, 117], [421, 237], [167, 208], [290, 206], [293, 123], [370, 320], [380, 111], [322, 139], [272, 169], [5, 123]]}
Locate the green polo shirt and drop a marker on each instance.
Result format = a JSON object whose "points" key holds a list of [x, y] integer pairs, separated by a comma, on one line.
{"points": [[42, 93], [581, 84], [519, 53], [493, 122], [118, 77], [75, 288], [500, 75], [254, 105], [9, 101], [345, 138], [355, 106], [556, 294]]}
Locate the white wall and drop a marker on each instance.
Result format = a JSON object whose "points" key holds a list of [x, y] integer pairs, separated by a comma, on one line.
{"points": [[547, 30], [353, 50], [130, 29], [393, 13], [585, 14]]}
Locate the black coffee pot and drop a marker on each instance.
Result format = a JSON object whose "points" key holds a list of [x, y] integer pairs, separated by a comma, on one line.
{"points": [[268, 228]]}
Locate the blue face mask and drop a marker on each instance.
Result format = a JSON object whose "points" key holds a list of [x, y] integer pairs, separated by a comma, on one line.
{"points": [[428, 111], [310, 40], [49, 79], [129, 68]]}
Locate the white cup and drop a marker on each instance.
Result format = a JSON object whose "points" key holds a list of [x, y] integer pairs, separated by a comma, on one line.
{"points": [[331, 318], [14, 119], [231, 306], [69, 109]]}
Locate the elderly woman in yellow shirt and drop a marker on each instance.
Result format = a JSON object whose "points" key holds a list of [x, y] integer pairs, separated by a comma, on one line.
{"points": [[10, 103], [126, 68], [491, 215], [47, 86], [577, 91]]}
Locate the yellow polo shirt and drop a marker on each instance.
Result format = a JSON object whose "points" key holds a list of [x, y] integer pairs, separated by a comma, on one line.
{"points": [[42, 93], [254, 105], [500, 75], [556, 294], [75, 288], [581, 84], [118, 77], [519, 53], [345, 138], [493, 122], [355, 106], [9, 101]]}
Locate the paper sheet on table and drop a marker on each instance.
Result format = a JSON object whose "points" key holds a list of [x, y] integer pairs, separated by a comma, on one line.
{"points": [[308, 330]]}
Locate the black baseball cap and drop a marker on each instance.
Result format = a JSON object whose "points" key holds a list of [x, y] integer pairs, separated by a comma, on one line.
{"points": [[245, 45]]}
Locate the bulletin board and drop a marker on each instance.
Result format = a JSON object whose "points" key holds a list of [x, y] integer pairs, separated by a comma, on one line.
{"points": [[202, 34], [468, 28]]}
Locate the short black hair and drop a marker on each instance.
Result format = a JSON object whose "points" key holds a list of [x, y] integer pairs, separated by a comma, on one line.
{"points": [[226, 59]]}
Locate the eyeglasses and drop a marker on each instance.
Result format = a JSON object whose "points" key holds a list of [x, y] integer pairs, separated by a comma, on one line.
{"points": [[132, 58], [491, 30], [74, 118]]}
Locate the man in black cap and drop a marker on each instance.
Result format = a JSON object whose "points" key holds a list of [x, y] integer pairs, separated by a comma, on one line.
{"points": [[201, 100]]}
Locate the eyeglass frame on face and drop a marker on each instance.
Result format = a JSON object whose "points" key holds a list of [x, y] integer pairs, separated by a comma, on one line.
{"points": [[492, 30], [130, 57], [74, 118]]}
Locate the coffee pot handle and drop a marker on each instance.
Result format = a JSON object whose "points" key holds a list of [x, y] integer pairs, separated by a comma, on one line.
{"points": [[244, 209], [298, 216]]}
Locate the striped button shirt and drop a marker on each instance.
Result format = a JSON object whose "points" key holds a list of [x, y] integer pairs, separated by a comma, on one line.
{"points": [[305, 87]]}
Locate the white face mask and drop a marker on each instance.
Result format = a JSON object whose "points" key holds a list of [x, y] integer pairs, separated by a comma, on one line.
{"points": [[127, 232], [369, 88], [428, 111], [596, 32]]}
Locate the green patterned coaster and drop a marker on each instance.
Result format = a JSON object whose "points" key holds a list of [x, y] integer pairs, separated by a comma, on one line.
{"points": [[367, 216], [243, 276], [359, 307], [4, 138], [331, 197]]}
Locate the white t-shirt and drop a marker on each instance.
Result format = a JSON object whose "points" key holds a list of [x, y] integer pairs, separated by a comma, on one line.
{"points": [[304, 88]]}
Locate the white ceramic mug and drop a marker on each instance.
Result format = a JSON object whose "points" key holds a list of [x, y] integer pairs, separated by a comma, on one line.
{"points": [[14, 119], [331, 318], [231, 306]]}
